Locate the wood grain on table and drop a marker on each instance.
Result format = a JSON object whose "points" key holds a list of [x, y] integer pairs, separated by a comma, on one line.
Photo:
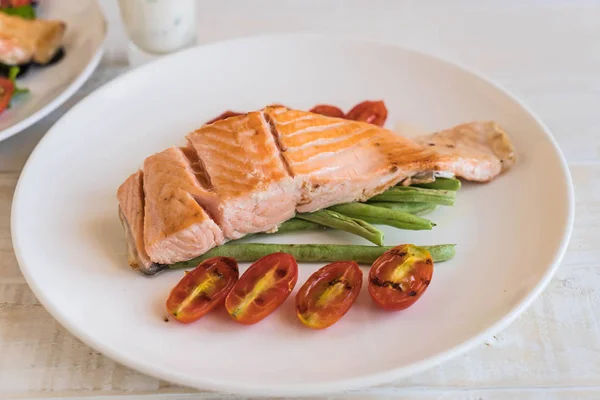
{"points": [[546, 52]]}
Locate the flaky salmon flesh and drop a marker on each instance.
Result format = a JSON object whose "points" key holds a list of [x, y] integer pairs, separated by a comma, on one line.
{"points": [[249, 173], [477, 151], [243, 166], [176, 227], [339, 161], [131, 213]]}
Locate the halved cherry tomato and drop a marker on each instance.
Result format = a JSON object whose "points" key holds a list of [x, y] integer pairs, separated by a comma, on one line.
{"points": [[225, 115], [262, 288], [7, 88], [327, 110], [373, 112], [400, 276], [202, 289], [328, 294]]}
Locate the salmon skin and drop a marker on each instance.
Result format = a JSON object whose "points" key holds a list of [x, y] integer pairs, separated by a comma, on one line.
{"points": [[251, 172]]}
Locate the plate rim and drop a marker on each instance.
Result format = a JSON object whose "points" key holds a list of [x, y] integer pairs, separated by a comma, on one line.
{"points": [[68, 92], [330, 387]]}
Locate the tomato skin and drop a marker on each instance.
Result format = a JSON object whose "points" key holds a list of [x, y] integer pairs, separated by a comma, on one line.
{"points": [[328, 111], [225, 115], [400, 276], [373, 112], [328, 294], [264, 287], [7, 88], [18, 3], [202, 289]]}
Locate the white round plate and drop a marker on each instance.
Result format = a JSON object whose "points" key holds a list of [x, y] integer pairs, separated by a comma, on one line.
{"points": [[51, 86], [510, 233]]}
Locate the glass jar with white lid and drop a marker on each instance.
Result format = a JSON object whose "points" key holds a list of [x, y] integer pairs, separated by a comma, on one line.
{"points": [[158, 27]]}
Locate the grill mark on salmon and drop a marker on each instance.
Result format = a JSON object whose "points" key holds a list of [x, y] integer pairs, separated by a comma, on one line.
{"points": [[307, 152], [299, 129], [296, 121], [176, 227], [327, 141]]}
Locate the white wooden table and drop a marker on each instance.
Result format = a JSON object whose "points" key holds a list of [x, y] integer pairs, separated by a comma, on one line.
{"points": [[545, 51]]}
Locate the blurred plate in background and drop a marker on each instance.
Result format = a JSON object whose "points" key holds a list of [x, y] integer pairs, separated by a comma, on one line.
{"points": [[51, 86]]}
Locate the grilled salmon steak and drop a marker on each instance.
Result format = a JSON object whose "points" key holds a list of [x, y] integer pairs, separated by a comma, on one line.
{"points": [[251, 172]]}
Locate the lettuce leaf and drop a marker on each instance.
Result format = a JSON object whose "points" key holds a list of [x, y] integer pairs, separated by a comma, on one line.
{"points": [[27, 12], [12, 75]]}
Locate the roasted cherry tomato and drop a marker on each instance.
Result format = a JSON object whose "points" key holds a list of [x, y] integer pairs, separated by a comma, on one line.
{"points": [[373, 112], [327, 110], [262, 288], [328, 294], [7, 88], [400, 276], [202, 289], [225, 115]]}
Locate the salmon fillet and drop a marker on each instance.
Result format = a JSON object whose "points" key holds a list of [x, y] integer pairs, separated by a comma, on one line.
{"points": [[243, 166], [477, 151], [23, 41], [340, 161], [176, 227], [249, 173], [131, 212]]}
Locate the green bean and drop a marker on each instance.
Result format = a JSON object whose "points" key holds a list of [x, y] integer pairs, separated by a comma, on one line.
{"points": [[298, 225], [410, 194], [441, 184], [413, 208], [336, 220], [289, 226], [383, 216], [318, 253]]}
